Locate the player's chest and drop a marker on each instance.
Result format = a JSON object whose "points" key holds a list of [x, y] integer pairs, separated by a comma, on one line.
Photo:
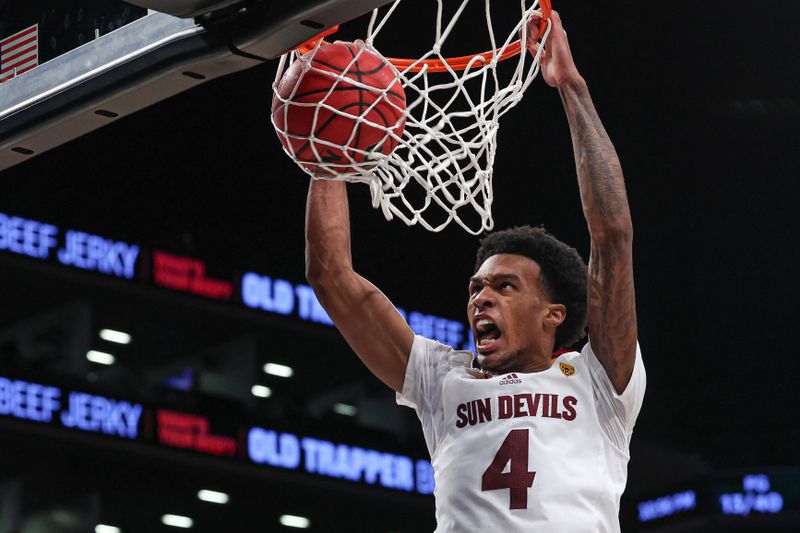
{"points": [[541, 399]]}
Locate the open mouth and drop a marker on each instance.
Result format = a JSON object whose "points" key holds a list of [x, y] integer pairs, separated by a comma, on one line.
{"points": [[487, 335]]}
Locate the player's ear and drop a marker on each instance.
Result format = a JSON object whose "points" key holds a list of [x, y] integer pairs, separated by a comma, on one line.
{"points": [[555, 315]]}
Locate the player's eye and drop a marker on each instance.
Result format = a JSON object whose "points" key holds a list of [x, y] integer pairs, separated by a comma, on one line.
{"points": [[506, 285]]}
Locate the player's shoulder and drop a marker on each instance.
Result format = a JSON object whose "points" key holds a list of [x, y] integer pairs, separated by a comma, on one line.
{"points": [[443, 353], [570, 362], [573, 356]]}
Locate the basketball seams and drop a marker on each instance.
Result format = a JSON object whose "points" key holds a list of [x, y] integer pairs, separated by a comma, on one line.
{"points": [[328, 121], [376, 110], [333, 69], [360, 73], [335, 89], [333, 116], [346, 87], [357, 138], [379, 98], [324, 125], [340, 70]]}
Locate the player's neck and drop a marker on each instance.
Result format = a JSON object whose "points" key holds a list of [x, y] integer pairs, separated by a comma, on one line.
{"points": [[524, 362], [537, 363]]}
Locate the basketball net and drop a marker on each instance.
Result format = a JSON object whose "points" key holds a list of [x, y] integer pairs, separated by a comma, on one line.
{"points": [[441, 170]]}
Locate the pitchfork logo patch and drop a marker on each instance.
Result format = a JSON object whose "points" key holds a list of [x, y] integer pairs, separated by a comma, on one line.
{"points": [[510, 380], [566, 369]]}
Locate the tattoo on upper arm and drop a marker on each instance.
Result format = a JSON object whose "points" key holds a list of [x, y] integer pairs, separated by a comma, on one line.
{"points": [[612, 311]]}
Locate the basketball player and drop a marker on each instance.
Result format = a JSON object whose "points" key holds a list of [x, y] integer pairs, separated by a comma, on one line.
{"points": [[530, 441]]}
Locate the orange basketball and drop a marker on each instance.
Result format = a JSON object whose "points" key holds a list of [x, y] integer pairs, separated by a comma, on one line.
{"points": [[321, 77]]}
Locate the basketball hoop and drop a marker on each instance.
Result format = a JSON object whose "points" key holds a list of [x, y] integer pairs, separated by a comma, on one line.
{"points": [[441, 168]]}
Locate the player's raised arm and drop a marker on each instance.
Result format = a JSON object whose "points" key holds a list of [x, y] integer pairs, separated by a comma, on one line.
{"points": [[611, 303], [365, 317]]}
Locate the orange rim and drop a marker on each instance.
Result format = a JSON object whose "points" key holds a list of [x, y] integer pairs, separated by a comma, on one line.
{"points": [[439, 65], [454, 63], [311, 43]]}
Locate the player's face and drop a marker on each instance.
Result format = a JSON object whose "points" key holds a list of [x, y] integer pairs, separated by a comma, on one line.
{"points": [[510, 315]]}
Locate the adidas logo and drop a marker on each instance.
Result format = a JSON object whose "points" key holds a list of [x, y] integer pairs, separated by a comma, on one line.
{"points": [[510, 380]]}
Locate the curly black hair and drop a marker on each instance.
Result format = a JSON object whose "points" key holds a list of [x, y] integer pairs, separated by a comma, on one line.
{"points": [[563, 272]]}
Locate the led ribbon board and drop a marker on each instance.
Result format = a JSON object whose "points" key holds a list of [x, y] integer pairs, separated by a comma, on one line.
{"points": [[283, 297], [73, 410], [95, 253], [329, 459], [93, 413], [71, 248]]}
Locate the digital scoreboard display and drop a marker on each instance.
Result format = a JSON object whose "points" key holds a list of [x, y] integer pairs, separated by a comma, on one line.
{"points": [[725, 497], [757, 493]]}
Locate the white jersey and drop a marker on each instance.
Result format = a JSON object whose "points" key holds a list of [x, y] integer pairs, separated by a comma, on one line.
{"points": [[539, 452]]}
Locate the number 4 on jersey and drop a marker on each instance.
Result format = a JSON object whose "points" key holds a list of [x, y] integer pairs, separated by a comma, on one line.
{"points": [[518, 479]]}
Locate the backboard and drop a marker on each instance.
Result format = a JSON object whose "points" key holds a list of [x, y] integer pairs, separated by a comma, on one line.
{"points": [[135, 56]]}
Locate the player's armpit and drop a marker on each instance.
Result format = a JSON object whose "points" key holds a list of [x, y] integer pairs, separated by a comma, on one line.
{"points": [[612, 306]]}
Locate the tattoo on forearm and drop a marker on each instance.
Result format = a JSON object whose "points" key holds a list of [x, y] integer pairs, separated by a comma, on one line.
{"points": [[599, 172]]}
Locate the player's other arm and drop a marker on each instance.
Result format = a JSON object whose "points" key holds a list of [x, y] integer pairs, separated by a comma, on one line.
{"points": [[611, 301], [365, 317]]}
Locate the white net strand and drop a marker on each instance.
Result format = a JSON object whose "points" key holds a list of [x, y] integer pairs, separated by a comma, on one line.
{"points": [[441, 169]]}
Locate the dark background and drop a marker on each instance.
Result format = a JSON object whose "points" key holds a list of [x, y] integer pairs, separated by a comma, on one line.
{"points": [[702, 101]]}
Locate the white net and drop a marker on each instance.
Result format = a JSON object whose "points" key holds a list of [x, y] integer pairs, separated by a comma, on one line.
{"points": [[444, 140]]}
